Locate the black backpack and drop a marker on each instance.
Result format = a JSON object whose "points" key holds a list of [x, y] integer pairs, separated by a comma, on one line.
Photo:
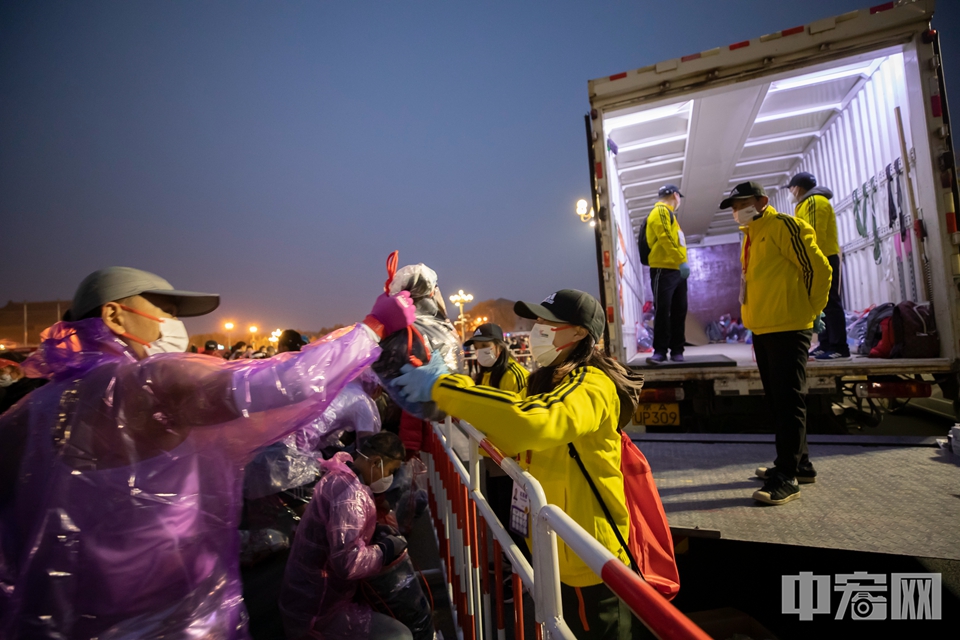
{"points": [[642, 244], [871, 336], [914, 331], [642, 240]]}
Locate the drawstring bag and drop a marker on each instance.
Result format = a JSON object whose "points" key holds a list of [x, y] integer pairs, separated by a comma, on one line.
{"points": [[650, 549], [415, 345]]}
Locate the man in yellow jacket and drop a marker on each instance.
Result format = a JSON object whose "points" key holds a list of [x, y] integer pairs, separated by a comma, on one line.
{"points": [[785, 280], [814, 208], [668, 276]]}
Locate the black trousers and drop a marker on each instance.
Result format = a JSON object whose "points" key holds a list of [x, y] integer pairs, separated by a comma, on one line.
{"points": [[670, 307], [596, 613], [782, 360], [835, 337]]}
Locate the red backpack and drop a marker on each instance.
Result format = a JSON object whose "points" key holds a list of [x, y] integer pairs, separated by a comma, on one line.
{"points": [[650, 549]]}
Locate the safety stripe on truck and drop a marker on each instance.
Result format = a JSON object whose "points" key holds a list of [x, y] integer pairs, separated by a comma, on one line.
{"points": [[765, 38]]}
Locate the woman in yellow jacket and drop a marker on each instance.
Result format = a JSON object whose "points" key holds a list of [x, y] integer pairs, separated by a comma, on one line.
{"points": [[578, 396], [497, 367]]}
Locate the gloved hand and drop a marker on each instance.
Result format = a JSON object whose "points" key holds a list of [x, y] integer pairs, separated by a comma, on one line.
{"points": [[391, 313], [382, 531], [416, 383], [392, 548], [819, 325], [684, 271]]}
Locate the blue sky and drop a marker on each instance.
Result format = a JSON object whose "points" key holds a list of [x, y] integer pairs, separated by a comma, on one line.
{"points": [[275, 153]]}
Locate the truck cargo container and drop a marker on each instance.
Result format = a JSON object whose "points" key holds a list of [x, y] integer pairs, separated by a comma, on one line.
{"points": [[859, 101]]}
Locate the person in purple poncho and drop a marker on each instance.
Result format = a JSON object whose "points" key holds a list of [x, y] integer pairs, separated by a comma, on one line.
{"points": [[121, 479], [336, 547]]}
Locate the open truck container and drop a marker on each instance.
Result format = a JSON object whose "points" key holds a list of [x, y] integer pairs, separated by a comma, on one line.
{"points": [[823, 98]]}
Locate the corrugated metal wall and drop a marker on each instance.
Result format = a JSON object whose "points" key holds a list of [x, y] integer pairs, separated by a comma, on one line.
{"points": [[627, 266], [853, 156]]}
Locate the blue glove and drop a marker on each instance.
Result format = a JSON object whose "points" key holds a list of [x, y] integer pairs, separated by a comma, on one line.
{"points": [[416, 383], [819, 326], [684, 271]]}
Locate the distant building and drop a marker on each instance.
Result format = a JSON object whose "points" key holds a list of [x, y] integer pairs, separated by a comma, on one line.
{"points": [[39, 316]]}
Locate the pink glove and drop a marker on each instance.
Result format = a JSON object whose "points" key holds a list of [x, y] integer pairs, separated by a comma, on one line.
{"points": [[391, 313]]}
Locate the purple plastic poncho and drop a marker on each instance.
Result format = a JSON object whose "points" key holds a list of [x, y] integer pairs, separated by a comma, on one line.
{"points": [[331, 554], [121, 480], [295, 461]]}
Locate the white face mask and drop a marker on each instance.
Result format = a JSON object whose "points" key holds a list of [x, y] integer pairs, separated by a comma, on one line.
{"points": [[541, 344], [381, 485], [745, 215], [6, 380], [173, 338], [486, 357]]}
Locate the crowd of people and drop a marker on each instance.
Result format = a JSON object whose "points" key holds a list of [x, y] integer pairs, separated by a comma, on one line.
{"points": [[136, 476]]}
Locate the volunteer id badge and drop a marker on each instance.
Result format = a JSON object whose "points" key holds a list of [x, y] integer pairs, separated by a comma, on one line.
{"points": [[743, 288], [519, 512]]}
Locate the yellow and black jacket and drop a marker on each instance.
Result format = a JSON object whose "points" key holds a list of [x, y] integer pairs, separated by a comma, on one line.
{"points": [[815, 209], [514, 378], [583, 409], [787, 276], [668, 248]]}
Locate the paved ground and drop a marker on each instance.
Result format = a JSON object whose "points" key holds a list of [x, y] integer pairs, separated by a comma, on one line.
{"points": [[881, 499]]}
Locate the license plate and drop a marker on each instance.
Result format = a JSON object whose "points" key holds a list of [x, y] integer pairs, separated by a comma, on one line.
{"points": [[655, 414]]}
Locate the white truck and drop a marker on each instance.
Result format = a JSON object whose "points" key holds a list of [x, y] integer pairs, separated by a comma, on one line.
{"points": [[859, 101]]}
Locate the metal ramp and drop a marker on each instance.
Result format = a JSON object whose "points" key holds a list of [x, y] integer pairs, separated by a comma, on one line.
{"points": [[880, 498], [712, 361]]}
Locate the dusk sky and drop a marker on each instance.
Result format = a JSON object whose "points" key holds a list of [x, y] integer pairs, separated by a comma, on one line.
{"points": [[276, 152]]}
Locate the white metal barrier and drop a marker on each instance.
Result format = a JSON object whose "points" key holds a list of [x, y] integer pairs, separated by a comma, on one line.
{"points": [[463, 519]]}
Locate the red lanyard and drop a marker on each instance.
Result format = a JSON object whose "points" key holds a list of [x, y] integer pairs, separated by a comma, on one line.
{"points": [[746, 254]]}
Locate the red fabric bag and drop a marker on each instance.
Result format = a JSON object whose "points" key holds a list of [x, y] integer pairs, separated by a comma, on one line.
{"points": [[651, 543], [650, 547]]}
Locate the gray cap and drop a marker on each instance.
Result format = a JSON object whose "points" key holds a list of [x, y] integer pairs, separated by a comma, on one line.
{"points": [[115, 283]]}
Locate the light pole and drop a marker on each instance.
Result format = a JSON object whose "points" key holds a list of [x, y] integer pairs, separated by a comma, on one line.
{"points": [[253, 336], [229, 327], [460, 298], [586, 215]]}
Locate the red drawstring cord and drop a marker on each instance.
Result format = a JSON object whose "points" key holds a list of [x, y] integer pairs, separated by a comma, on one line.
{"points": [[392, 261]]}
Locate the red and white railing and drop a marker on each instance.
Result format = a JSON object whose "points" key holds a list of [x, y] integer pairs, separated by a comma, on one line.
{"points": [[464, 524]]}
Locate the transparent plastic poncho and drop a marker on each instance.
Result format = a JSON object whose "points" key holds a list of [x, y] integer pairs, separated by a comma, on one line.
{"points": [[331, 554], [294, 461], [121, 481]]}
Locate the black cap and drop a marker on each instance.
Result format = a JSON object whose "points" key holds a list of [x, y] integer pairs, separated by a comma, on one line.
{"points": [[211, 345], [667, 189], [567, 305], [488, 331], [744, 190], [803, 180]]}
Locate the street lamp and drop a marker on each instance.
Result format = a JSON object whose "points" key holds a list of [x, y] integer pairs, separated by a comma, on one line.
{"points": [[253, 335], [585, 211], [229, 327], [460, 298]]}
